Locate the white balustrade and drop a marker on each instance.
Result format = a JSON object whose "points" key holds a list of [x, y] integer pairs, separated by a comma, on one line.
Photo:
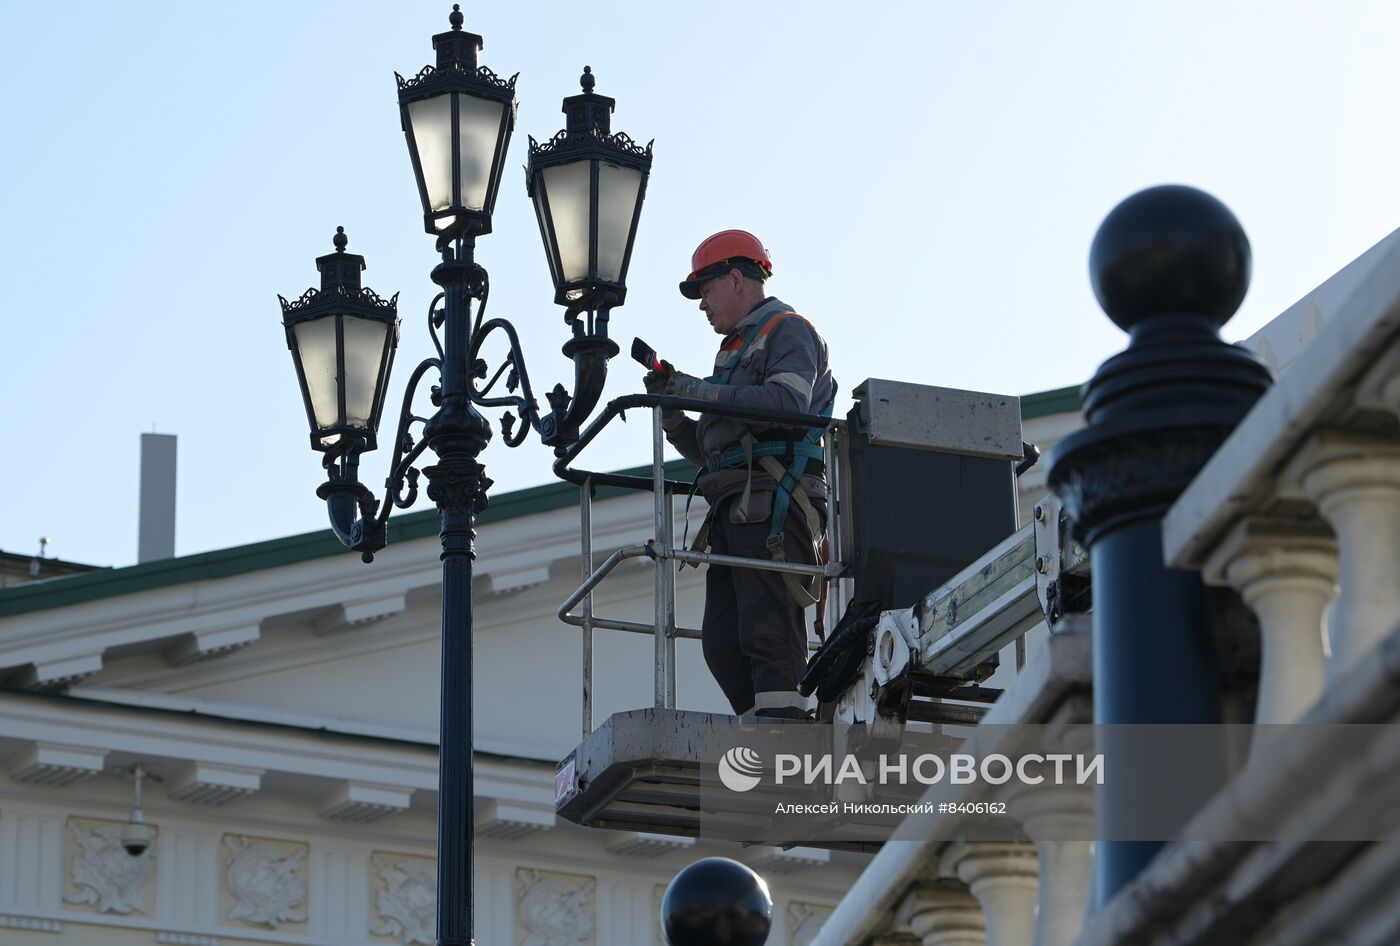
{"points": [[1354, 480], [1060, 821], [1286, 572]]}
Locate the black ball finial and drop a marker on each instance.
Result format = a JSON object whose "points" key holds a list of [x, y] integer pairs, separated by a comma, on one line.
{"points": [[717, 902], [586, 80], [455, 17], [340, 240], [1170, 250]]}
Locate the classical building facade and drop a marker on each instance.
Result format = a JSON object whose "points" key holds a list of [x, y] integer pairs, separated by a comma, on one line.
{"points": [[283, 697]]}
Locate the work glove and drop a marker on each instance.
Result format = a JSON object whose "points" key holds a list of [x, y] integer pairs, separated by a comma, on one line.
{"points": [[681, 384], [655, 381]]}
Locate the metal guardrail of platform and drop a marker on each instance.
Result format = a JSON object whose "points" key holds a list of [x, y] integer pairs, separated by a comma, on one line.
{"points": [[661, 548]]}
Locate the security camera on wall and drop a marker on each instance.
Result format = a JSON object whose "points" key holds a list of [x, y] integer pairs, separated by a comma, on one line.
{"points": [[137, 835]]}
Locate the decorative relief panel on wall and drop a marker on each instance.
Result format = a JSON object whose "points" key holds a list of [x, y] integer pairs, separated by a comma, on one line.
{"points": [[404, 890], [554, 909], [804, 920], [264, 881], [101, 875]]}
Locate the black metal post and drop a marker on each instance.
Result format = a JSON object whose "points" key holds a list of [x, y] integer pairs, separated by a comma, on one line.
{"points": [[1170, 265], [457, 434]]}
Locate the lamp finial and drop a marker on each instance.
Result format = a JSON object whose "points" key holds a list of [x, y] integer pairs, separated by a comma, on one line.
{"points": [[340, 240], [586, 81], [455, 17]]}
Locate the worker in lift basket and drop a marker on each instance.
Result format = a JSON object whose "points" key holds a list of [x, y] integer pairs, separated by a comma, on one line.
{"points": [[764, 484]]}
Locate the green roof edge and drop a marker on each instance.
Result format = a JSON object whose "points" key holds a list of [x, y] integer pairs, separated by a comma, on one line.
{"points": [[69, 590], [1044, 403], [224, 563]]}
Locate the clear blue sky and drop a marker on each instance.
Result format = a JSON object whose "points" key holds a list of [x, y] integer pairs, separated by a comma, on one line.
{"points": [[928, 175]]}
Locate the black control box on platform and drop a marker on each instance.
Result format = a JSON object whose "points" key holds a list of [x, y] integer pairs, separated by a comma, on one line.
{"points": [[929, 485]]}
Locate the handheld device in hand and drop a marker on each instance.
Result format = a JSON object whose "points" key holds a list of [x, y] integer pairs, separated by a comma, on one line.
{"points": [[647, 357]]}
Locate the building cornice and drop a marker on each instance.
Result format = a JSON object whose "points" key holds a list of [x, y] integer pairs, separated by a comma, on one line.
{"points": [[335, 765]]}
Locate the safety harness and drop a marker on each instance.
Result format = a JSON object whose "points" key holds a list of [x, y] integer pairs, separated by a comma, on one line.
{"points": [[798, 450]]}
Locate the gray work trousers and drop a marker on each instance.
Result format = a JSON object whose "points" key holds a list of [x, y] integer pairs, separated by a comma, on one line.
{"points": [[754, 634]]}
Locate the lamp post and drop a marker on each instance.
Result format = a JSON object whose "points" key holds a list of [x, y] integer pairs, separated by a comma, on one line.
{"points": [[457, 117]]}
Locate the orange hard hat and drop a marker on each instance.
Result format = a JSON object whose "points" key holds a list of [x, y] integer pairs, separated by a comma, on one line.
{"points": [[725, 250]]}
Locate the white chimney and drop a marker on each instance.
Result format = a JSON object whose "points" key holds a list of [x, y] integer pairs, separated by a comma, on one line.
{"points": [[156, 536]]}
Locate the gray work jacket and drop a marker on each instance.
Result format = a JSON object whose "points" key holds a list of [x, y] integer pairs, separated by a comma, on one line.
{"points": [[784, 369]]}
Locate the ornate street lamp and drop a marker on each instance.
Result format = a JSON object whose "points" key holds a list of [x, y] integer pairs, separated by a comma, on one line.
{"points": [[342, 338], [457, 117], [588, 185]]}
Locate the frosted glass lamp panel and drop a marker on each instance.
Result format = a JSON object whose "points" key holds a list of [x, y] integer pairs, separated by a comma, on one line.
{"points": [[541, 202], [478, 127], [316, 349], [431, 120], [364, 355], [617, 205], [568, 190]]}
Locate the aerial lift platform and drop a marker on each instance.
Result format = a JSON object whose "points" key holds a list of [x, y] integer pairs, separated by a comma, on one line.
{"points": [[924, 542]]}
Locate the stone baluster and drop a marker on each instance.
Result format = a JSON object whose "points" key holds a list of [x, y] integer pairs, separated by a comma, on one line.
{"points": [[1060, 821], [1002, 875], [1354, 480], [943, 913], [1286, 572]]}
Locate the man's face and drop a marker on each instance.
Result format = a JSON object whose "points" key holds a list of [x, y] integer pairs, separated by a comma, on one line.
{"points": [[722, 301]]}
